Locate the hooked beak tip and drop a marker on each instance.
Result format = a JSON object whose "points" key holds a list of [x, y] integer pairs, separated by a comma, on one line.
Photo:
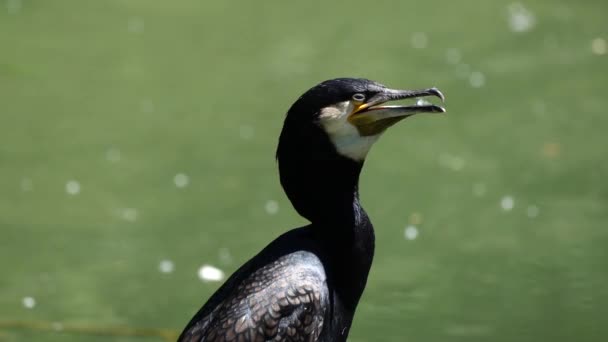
{"points": [[438, 93]]}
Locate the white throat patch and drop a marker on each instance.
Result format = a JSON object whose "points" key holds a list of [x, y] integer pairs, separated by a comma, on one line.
{"points": [[343, 134]]}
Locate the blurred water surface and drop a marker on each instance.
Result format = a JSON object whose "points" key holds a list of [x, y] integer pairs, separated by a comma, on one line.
{"points": [[137, 170]]}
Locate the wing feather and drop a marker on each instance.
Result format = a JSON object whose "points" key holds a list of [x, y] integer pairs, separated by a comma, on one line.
{"points": [[284, 300]]}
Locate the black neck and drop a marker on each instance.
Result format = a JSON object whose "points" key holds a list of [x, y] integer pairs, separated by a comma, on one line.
{"points": [[322, 185]]}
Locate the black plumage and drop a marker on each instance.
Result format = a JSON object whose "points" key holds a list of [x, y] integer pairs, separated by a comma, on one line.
{"points": [[305, 285]]}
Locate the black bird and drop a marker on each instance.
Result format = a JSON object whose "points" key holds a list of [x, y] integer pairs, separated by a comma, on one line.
{"points": [[305, 285]]}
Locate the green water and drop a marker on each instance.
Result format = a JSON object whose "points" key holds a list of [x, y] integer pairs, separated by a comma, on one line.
{"points": [[115, 98]]}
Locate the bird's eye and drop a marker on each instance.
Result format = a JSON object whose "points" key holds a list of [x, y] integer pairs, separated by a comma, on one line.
{"points": [[359, 97]]}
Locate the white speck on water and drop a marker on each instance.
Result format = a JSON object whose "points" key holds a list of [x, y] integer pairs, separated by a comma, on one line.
{"points": [[28, 302], [453, 56], [271, 207], [72, 187], [520, 18], [129, 214], [477, 79], [599, 46], [507, 203], [225, 256], [452, 162], [419, 40], [166, 266], [13, 6], [181, 180], [210, 273], [422, 102], [113, 155], [136, 25], [479, 189], [26, 184], [532, 211], [147, 106], [246, 132], [410, 232]]}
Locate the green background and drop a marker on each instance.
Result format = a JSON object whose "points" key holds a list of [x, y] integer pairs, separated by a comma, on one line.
{"points": [[200, 88]]}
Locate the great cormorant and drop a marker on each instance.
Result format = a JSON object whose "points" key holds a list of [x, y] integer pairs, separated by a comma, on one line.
{"points": [[305, 285]]}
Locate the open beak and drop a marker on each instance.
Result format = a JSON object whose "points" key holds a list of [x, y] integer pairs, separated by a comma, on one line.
{"points": [[372, 117]]}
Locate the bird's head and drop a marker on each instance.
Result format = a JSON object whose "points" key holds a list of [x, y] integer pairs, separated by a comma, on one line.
{"points": [[330, 129], [352, 113]]}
